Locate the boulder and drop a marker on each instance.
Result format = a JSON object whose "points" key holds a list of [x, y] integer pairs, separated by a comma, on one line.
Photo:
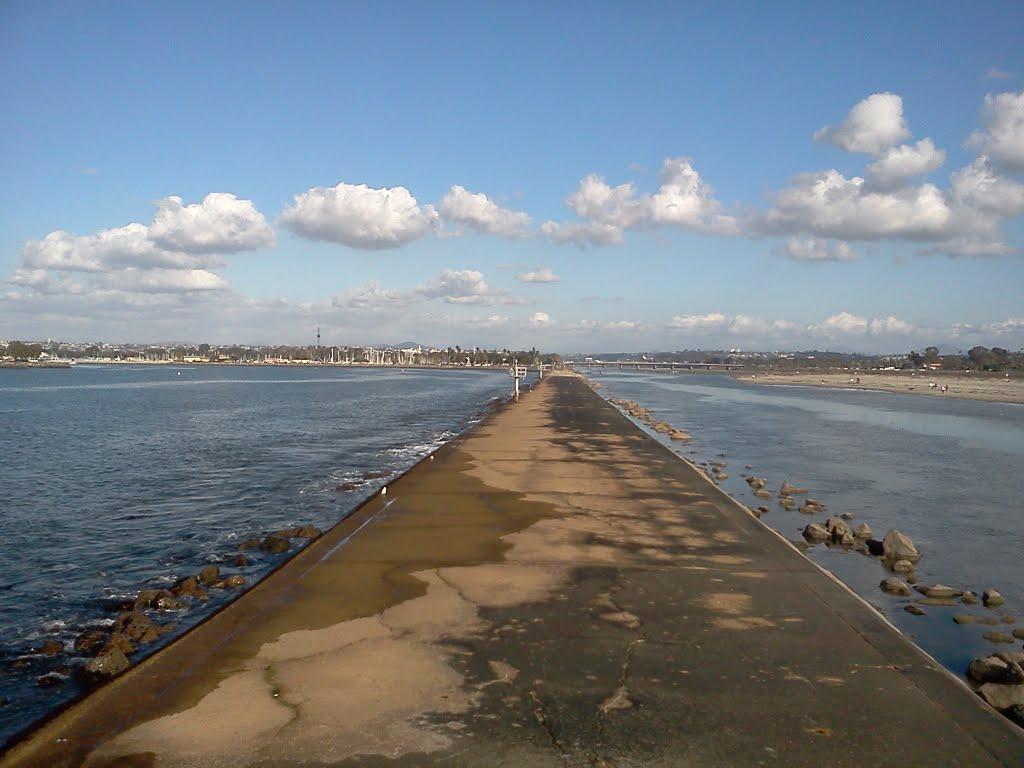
{"points": [[816, 532], [756, 483], [346, 486], [1014, 674], [230, 582], [862, 531], [991, 598], [51, 680], [249, 544], [50, 648], [136, 627], [874, 547], [189, 587], [308, 532], [111, 663], [808, 509], [761, 493], [209, 575], [947, 601], [941, 590], [838, 528], [786, 503], [120, 642], [898, 546], [1018, 633], [762, 511], [274, 545], [788, 489], [1001, 696], [1011, 657], [846, 516], [965, 618], [90, 642], [1014, 714], [998, 637], [894, 586], [903, 566], [968, 598], [161, 599], [988, 670], [240, 561], [914, 610]]}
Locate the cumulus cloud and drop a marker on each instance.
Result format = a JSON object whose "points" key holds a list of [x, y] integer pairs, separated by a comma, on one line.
{"points": [[221, 223], [816, 249], [371, 297], [978, 187], [495, 321], [1001, 136], [165, 280], [828, 204], [478, 212], [872, 125], [360, 216], [540, 320], [542, 275], [459, 286], [682, 200], [844, 322], [897, 164], [709, 322], [891, 325]]}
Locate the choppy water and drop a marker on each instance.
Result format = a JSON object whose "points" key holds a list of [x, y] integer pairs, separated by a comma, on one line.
{"points": [[949, 473], [114, 479]]}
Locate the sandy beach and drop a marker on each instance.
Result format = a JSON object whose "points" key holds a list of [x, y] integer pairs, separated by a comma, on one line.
{"points": [[554, 588], [972, 386]]}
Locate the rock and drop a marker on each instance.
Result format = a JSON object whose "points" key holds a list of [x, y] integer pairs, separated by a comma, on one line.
{"points": [[189, 587], [756, 483], [230, 582], [308, 532], [1014, 674], [816, 503], [1009, 618], [947, 601], [913, 609], [249, 544], [837, 527], [136, 627], [111, 663], [348, 486], [941, 590], [990, 621], [965, 618], [209, 575], [788, 489], [1018, 633], [968, 598], [991, 598], [50, 680], [874, 547], [894, 586], [90, 642], [1014, 714], [786, 503], [680, 436], [816, 532], [274, 545], [161, 599], [988, 670], [898, 546], [847, 539], [808, 509], [240, 561], [120, 642], [846, 516], [50, 648], [998, 637], [862, 531], [762, 511], [903, 566], [761, 493], [1011, 657], [1002, 697]]}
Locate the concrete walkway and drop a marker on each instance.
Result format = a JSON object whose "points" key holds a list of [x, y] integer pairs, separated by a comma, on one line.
{"points": [[554, 589]]}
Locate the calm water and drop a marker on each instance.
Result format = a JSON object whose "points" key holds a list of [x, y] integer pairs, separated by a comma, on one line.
{"points": [[948, 473], [114, 479]]}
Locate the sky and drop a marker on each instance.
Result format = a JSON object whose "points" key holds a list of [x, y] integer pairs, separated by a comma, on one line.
{"points": [[577, 177]]}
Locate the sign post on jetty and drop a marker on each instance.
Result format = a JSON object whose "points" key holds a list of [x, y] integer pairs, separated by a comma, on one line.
{"points": [[517, 372]]}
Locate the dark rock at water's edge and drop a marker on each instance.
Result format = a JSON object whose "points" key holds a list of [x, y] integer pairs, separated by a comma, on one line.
{"points": [[111, 663], [189, 587], [209, 575], [274, 545]]}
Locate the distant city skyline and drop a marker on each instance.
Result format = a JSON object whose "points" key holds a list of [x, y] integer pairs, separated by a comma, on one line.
{"points": [[592, 177]]}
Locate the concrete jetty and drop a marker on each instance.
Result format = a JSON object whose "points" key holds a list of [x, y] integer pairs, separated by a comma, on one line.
{"points": [[553, 589]]}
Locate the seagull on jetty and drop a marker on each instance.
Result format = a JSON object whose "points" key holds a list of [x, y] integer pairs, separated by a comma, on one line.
{"points": [[384, 491]]}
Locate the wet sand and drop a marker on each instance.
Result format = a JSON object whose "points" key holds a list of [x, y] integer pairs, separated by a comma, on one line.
{"points": [[967, 386], [554, 588]]}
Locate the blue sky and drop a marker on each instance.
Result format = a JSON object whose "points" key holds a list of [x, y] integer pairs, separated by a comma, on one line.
{"points": [[430, 146]]}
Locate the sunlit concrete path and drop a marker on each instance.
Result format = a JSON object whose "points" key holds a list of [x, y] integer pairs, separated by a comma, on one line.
{"points": [[553, 589]]}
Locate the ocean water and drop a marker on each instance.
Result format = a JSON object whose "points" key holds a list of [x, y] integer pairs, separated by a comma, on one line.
{"points": [[948, 473], [115, 479]]}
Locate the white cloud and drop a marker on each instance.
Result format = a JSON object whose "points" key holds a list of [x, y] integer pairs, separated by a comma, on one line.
{"points": [[897, 164], [973, 248], [542, 275], [1002, 134], [625, 325], [540, 320], [495, 321], [165, 280], [459, 286], [360, 216], [816, 249], [709, 322], [828, 204], [871, 126], [891, 325], [1010, 325], [682, 200], [371, 297], [844, 322], [978, 187], [478, 212], [221, 223]]}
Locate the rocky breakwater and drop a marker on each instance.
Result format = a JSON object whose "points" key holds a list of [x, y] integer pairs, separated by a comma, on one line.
{"points": [[648, 418]]}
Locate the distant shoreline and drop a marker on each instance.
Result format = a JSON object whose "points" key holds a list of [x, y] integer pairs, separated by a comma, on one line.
{"points": [[964, 386], [275, 364]]}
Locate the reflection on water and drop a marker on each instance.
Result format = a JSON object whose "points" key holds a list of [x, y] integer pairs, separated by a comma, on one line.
{"points": [[949, 473]]}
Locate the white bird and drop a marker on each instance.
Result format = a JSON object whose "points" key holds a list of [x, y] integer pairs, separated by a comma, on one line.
{"points": [[384, 491]]}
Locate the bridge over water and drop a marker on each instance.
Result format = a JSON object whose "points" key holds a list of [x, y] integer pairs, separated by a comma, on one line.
{"points": [[652, 365]]}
